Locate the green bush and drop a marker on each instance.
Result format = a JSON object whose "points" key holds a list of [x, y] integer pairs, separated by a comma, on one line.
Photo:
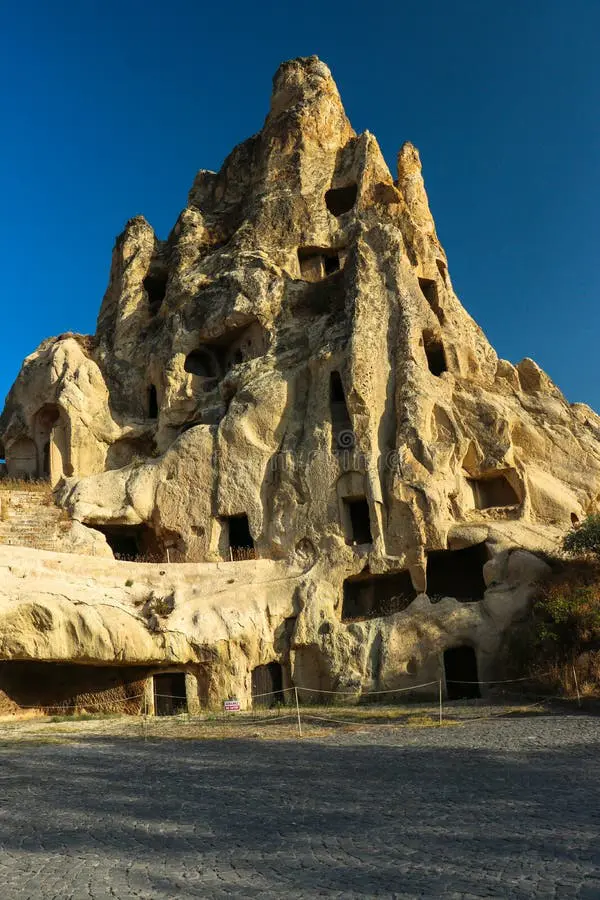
{"points": [[585, 538], [566, 619]]}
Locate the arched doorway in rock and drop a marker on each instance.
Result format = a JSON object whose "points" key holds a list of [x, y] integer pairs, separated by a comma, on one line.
{"points": [[170, 696], [51, 442], [461, 674], [267, 685]]}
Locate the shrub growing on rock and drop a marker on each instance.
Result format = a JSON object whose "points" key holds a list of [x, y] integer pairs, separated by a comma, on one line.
{"points": [[585, 538]]}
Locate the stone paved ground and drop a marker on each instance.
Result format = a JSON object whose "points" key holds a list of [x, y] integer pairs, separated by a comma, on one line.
{"points": [[505, 808]]}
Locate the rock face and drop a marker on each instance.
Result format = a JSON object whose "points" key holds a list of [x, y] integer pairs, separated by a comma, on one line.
{"points": [[290, 376]]}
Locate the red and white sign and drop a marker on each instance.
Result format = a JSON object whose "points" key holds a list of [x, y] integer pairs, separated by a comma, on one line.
{"points": [[232, 705]]}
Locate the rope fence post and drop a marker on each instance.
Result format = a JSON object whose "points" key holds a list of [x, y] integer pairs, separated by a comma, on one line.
{"points": [[441, 707], [576, 686], [144, 723], [298, 711]]}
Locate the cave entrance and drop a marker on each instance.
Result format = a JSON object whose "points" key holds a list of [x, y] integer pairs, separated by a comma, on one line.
{"points": [[369, 596], [460, 670], [50, 438], [341, 200], [436, 356], [155, 286], [267, 685], [170, 698], [128, 542], [240, 542], [201, 363], [69, 688], [457, 573], [429, 290]]}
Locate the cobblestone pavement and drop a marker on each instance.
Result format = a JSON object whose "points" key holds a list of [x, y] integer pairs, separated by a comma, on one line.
{"points": [[504, 809]]}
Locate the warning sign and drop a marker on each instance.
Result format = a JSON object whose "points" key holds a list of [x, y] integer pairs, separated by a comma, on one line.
{"points": [[232, 705]]}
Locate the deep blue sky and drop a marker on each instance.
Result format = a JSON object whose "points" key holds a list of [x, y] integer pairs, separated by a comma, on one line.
{"points": [[109, 107]]}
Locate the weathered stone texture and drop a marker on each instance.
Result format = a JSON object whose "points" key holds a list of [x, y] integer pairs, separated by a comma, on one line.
{"points": [[294, 353]]}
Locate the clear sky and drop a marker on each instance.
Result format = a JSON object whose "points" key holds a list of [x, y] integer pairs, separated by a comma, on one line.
{"points": [[109, 107]]}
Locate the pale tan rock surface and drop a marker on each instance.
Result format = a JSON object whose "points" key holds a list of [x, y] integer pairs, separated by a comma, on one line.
{"points": [[295, 346]]}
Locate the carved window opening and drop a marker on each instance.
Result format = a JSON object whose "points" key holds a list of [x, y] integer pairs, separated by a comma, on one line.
{"points": [[457, 573], [155, 286], [170, 697], [359, 520], [267, 685], [200, 363], [436, 356], [341, 424], [493, 492], [152, 402], [51, 442], [460, 670], [240, 543], [442, 269], [341, 200], [317, 263], [429, 289], [332, 264], [369, 596]]}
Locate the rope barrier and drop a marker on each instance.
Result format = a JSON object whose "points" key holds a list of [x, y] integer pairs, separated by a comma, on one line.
{"points": [[269, 693], [498, 681], [367, 693], [91, 707]]}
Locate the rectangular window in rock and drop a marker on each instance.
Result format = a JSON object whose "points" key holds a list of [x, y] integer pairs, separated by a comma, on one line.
{"points": [[457, 573], [369, 596], [317, 263], [358, 528], [493, 492]]}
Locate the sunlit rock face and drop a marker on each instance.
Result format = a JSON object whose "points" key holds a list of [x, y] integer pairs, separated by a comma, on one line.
{"points": [[291, 376]]}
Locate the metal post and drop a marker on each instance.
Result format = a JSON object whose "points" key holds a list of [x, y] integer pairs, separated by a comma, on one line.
{"points": [[298, 711], [576, 686], [441, 712]]}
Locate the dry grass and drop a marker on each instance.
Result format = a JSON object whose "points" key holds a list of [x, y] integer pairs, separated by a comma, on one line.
{"points": [[266, 725], [38, 485]]}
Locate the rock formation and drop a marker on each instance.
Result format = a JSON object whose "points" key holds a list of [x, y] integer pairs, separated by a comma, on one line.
{"points": [[287, 405]]}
